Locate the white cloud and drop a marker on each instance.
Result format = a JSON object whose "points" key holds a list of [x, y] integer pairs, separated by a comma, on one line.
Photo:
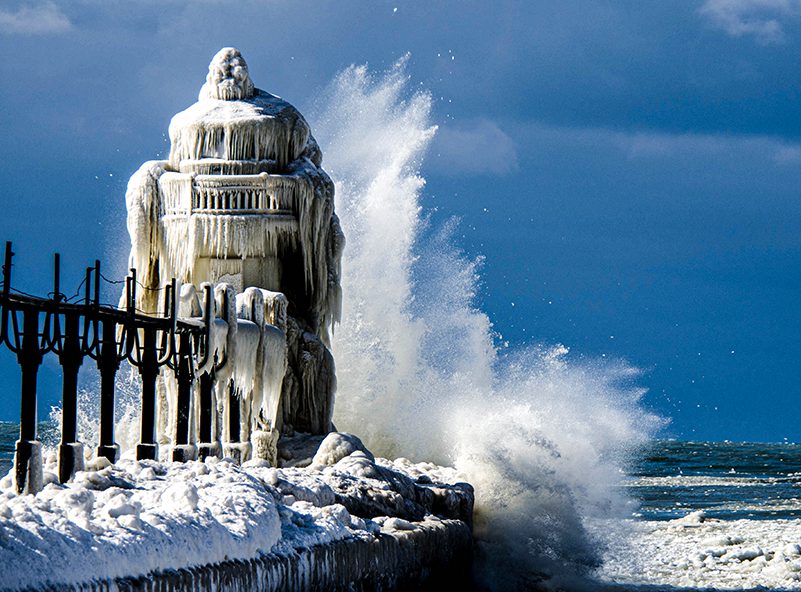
{"points": [[477, 147], [32, 19], [789, 154], [761, 19]]}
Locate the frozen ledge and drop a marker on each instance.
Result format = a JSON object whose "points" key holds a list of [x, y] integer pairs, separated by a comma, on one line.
{"points": [[339, 519], [389, 561]]}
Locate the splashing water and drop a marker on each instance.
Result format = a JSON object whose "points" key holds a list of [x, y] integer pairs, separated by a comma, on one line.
{"points": [[127, 408], [537, 433]]}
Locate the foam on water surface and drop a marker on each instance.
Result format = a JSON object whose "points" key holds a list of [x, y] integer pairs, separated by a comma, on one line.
{"points": [[710, 516], [701, 554]]}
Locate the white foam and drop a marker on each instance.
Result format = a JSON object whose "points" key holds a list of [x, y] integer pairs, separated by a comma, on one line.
{"points": [[702, 481], [708, 554]]}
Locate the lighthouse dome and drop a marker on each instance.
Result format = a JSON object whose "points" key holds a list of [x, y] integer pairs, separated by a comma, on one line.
{"points": [[233, 121]]}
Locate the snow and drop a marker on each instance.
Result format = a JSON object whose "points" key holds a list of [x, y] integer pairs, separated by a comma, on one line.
{"points": [[698, 552], [336, 446], [139, 516], [143, 516]]}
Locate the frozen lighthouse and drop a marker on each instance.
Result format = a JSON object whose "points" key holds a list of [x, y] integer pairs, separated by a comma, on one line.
{"points": [[243, 210]]}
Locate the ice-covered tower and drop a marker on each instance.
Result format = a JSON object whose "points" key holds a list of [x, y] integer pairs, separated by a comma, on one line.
{"points": [[243, 199]]}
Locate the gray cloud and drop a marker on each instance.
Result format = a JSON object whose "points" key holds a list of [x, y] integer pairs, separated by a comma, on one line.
{"points": [[30, 19], [653, 146], [476, 147], [761, 19]]}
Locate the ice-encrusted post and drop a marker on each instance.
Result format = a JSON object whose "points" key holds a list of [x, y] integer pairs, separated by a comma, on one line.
{"points": [[70, 451], [28, 455], [108, 363], [209, 365], [148, 366], [234, 447], [208, 445], [184, 450], [29, 350], [71, 344], [109, 356], [144, 355]]}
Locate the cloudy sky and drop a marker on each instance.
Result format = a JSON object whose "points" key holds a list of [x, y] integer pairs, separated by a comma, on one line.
{"points": [[628, 169]]}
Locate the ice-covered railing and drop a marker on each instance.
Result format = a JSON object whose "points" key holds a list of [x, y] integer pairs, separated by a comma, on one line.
{"points": [[186, 194], [223, 354]]}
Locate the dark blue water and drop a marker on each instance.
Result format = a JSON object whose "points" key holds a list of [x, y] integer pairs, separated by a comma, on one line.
{"points": [[727, 480], [9, 432]]}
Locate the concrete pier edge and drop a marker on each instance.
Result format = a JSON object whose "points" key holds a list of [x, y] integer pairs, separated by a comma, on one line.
{"points": [[432, 554]]}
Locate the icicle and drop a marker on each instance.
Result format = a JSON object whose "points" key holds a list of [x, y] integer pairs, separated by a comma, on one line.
{"points": [[248, 361], [275, 309], [274, 349], [263, 127], [225, 304], [143, 200], [189, 302], [218, 335]]}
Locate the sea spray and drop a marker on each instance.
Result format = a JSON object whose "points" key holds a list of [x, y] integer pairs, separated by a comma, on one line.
{"points": [[127, 409], [539, 434]]}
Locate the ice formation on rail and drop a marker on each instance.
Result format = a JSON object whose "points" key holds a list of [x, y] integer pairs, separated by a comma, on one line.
{"points": [[243, 204]]}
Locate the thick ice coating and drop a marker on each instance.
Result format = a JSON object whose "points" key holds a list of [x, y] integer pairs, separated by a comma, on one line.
{"points": [[242, 195], [134, 518], [243, 204], [228, 77]]}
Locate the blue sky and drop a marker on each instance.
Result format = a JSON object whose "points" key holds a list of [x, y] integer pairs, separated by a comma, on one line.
{"points": [[629, 170]]}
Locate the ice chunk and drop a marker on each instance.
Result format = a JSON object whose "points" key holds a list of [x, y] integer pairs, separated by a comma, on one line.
{"points": [[397, 524], [228, 78], [338, 445], [746, 554], [697, 517]]}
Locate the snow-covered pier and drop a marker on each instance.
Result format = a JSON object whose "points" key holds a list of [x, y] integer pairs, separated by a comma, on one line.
{"points": [[437, 554], [344, 520]]}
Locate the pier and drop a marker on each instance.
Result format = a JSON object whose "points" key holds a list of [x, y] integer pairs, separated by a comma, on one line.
{"points": [[82, 329]]}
